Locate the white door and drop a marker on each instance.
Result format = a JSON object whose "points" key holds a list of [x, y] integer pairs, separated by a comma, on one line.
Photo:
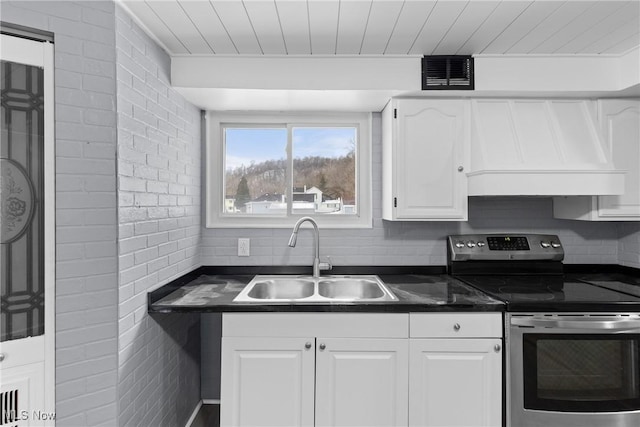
{"points": [[620, 122], [431, 159], [267, 381], [27, 272], [455, 383], [361, 382]]}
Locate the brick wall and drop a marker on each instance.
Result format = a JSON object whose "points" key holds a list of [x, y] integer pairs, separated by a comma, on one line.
{"points": [[86, 229], [159, 230], [629, 244]]}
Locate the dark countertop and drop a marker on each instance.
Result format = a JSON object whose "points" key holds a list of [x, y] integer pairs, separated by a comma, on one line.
{"points": [[415, 292], [418, 289], [620, 282]]}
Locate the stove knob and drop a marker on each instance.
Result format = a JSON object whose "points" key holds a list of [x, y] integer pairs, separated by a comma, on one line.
{"points": [[471, 244], [481, 244], [545, 244], [459, 244], [555, 244]]}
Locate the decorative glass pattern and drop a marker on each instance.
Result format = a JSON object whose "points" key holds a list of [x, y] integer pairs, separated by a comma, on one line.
{"points": [[21, 197]]}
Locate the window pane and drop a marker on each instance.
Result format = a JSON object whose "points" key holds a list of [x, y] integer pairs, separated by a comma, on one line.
{"points": [[324, 170], [255, 171]]}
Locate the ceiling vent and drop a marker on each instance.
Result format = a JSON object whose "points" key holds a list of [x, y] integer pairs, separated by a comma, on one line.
{"points": [[447, 72]]}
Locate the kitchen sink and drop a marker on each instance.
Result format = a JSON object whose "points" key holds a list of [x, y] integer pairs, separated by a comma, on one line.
{"points": [[316, 290], [350, 288], [286, 288]]}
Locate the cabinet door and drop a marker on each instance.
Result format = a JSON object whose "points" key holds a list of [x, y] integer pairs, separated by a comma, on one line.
{"points": [[455, 382], [431, 142], [361, 382], [267, 381], [620, 121]]}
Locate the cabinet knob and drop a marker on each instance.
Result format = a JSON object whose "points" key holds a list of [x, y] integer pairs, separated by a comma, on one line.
{"points": [[307, 345], [322, 346], [460, 168], [1, 357], [497, 348], [456, 327]]}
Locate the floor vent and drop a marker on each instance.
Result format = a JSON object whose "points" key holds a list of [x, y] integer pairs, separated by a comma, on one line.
{"points": [[9, 408], [447, 72]]}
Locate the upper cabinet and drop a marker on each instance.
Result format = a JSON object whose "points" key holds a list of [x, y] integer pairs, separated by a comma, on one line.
{"points": [[437, 152], [425, 145], [619, 121]]}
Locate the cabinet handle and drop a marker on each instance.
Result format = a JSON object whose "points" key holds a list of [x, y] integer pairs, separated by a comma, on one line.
{"points": [[1, 357], [460, 168], [322, 346], [307, 345], [456, 327], [497, 348]]}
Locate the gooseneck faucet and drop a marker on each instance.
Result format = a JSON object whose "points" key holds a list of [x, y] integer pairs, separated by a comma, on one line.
{"points": [[317, 265]]}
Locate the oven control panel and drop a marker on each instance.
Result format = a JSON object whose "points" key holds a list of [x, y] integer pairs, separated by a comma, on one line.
{"points": [[500, 247]]}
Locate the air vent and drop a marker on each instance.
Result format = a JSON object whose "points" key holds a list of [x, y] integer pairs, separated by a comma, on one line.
{"points": [[446, 72], [9, 413]]}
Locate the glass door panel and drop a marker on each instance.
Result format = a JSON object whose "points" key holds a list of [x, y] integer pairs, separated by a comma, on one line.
{"points": [[21, 197], [582, 372]]}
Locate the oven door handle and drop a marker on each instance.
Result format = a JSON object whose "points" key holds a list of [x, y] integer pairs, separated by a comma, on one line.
{"points": [[579, 323]]}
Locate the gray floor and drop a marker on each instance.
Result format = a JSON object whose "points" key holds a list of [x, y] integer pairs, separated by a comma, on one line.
{"points": [[208, 416]]}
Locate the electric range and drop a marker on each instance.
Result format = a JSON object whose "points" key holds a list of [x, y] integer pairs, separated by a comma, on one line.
{"points": [[573, 354]]}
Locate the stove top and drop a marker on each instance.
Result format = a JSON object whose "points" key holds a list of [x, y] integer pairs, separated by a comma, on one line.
{"points": [[525, 271], [552, 293]]}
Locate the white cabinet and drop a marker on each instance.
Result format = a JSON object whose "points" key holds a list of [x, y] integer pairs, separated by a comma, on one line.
{"points": [[620, 124], [267, 381], [455, 362], [350, 370], [425, 145], [361, 382]]}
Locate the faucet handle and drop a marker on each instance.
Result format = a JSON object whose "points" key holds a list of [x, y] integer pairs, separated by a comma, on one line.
{"points": [[326, 265]]}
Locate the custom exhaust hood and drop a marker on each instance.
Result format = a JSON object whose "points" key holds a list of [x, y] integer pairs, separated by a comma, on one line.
{"points": [[534, 147]]}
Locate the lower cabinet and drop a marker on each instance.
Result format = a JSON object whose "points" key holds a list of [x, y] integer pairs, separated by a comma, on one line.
{"points": [[361, 382], [267, 381], [332, 377], [330, 369], [455, 361], [455, 382]]}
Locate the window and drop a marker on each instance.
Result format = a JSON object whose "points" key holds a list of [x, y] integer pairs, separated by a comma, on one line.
{"points": [[268, 170]]}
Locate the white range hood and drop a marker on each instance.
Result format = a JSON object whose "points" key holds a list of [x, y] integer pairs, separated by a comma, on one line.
{"points": [[536, 147]]}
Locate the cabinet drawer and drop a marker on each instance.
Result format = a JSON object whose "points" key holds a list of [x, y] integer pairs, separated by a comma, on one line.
{"points": [[455, 325], [336, 325]]}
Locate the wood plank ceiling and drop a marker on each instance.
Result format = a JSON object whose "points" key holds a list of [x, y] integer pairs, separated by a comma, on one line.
{"points": [[390, 27]]}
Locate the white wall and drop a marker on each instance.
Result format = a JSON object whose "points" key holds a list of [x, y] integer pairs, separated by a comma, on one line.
{"points": [[159, 232], [629, 244], [86, 228]]}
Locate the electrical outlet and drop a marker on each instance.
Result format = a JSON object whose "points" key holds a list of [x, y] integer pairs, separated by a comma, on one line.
{"points": [[244, 247]]}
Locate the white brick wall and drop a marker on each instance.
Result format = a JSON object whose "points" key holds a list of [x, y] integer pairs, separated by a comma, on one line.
{"points": [[159, 232], [86, 229], [629, 244], [412, 243]]}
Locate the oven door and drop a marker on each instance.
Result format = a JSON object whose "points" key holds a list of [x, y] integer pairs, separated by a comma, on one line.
{"points": [[574, 370]]}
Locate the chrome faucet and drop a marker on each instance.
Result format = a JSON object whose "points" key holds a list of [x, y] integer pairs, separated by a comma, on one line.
{"points": [[317, 265]]}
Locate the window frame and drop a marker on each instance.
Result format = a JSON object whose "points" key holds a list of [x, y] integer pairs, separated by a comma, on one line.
{"points": [[215, 157]]}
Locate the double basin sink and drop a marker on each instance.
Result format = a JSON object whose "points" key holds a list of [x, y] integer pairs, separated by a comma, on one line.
{"points": [[309, 289]]}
